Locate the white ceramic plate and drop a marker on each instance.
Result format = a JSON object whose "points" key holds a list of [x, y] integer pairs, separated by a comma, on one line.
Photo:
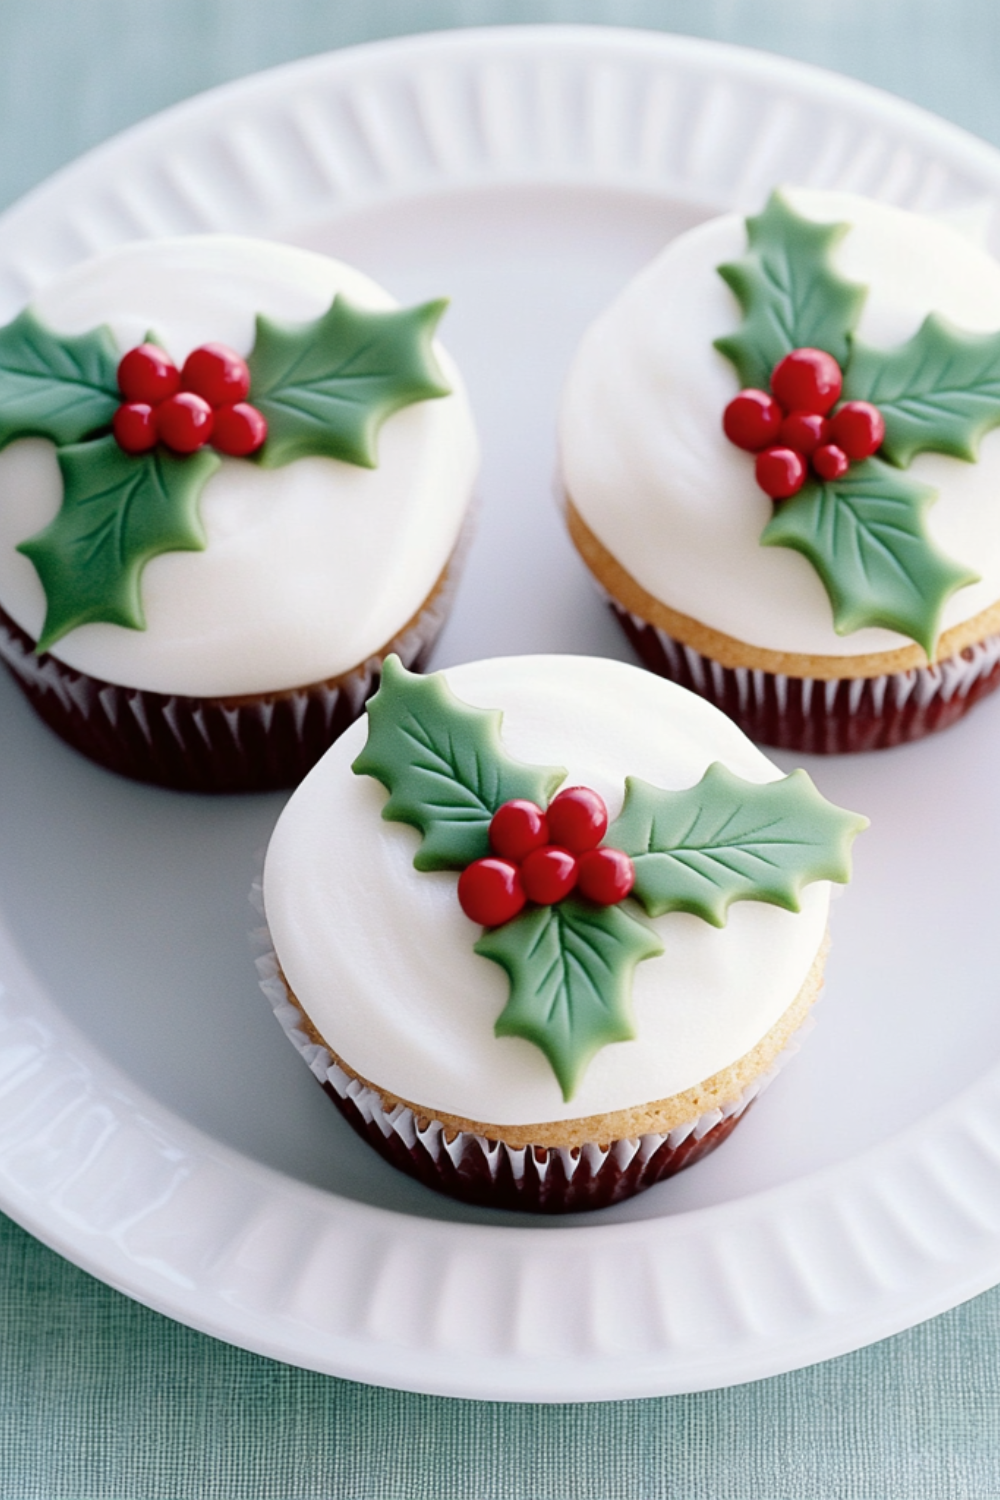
{"points": [[156, 1127]]}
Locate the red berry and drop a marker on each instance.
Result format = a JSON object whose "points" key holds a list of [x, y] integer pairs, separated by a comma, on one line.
{"points": [[134, 427], [238, 430], [803, 431], [858, 428], [184, 422], [548, 874], [490, 891], [147, 374], [807, 380], [606, 876], [578, 819], [217, 373], [516, 828], [781, 472], [751, 420], [830, 462]]}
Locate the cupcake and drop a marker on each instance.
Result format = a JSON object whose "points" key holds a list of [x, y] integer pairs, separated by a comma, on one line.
{"points": [[235, 476], [779, 465], [544, 927]]}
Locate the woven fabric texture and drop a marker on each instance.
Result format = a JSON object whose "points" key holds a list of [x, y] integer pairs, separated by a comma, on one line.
{"points": [[104, 1400]]}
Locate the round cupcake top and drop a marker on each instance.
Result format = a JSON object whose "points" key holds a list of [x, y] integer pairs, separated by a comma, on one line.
{"points": [[648, 467], [383, 959], [307, 568]]}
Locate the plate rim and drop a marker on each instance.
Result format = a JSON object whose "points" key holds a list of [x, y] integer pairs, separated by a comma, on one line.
{"points": [[950, 1157]]}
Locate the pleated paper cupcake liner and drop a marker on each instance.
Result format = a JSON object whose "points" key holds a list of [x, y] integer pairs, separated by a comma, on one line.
{"points": [[479, 1170], [824, 716], [259, 743]]}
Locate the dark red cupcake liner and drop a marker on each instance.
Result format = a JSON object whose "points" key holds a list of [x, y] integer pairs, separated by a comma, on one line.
{"points": [[824, 717], [247, 744], [533, 1179], [479, 1170]]}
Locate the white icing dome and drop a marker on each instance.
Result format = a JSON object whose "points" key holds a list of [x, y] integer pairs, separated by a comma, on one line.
{"points": [[648, 469], [381, 956], [310, 568]]}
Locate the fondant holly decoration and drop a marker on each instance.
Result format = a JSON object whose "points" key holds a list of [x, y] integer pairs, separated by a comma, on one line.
{"points": [[939, 392], [444, 767], [134, 434], [550, 881], [832, 420], [570, 969], [728, 840], [790, 294], [542, 856], [62, 388], [865, 535], [790, 431], [327, 387], [184, 409], [117, 513]]}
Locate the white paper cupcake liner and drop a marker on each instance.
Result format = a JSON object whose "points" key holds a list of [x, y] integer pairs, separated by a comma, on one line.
{"points": [[823, 716], [267, 741], [556, 1179]]}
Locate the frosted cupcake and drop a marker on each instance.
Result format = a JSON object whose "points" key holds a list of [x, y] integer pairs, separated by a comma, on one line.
{"points": [[779, 466], [235, 475], [541, 985]]}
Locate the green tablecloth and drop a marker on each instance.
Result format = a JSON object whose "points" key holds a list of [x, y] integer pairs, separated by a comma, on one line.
{"points": [[104, 1400], [99, 1397]]}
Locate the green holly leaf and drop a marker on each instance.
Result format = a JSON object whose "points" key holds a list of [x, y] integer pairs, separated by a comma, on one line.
{"points": [[326, 387], [118, 511], [866, 536], [444, 766], [789, 293], [54, 386], [728, 840], [939, 392], [570, 968]]}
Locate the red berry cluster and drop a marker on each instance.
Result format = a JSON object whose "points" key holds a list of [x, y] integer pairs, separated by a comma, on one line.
{"points": [[205, 401], [542, 856], [792, 427]]}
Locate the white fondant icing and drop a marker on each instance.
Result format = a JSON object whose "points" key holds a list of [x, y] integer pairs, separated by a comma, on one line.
{"points": [[309, 568], [381, 956], [476, 1151], [649, 470]]}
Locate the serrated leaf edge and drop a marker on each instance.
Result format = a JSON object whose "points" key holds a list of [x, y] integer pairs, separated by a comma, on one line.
{"points": [[368, 763], [569, 1073], [837, 869], [365, 454], [848, 618], [131, 615]]}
